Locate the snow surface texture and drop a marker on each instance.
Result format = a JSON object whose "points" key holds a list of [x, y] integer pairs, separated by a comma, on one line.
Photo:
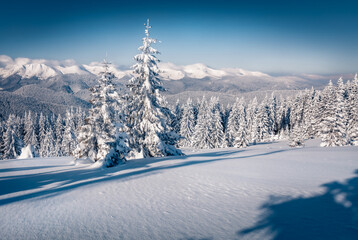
{"points": [[267, 191]]}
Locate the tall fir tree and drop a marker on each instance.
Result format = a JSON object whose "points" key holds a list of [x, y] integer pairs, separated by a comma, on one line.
{"points": [[187, 124], [352, 128], [273, 113], [241, 137], [69, 140], [178, 112], [233, 123], [296, 137], [148, 119], [333, 126], [11, 145], [265, 122], [202, 134], [2, 129], [216, 124], [253, 122], [47, 148], [101, 138], [59, 132], [30, 131]]}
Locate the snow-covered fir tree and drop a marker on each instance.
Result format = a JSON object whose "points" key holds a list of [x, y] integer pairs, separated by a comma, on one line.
{"points": [[216, 128], [30, 131], [283, 118], [232, 127], [59, 132], [352, 127], [241, 137], [310, 113], [47, 148], [69, 140], [148, 119], [273, 113], [101, 138], [2, 129], [178, 112], [19, 122], [42, 128], [265, 122], [187, 124], [333, 126], [201, 135], [253, 121], [296, 138], [11, 145]]}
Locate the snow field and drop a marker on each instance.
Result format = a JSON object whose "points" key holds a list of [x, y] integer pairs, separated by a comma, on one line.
{"points": [[207, 194]]}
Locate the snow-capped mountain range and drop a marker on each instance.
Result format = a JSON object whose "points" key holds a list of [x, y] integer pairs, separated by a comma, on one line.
{"points": [[58, 84], [44, 69]]}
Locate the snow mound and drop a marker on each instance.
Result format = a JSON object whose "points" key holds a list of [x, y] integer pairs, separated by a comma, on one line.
{"points": [[27, 152]]}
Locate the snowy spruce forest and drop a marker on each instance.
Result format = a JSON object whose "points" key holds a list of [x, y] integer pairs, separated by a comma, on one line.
{"points": [[137, 122]]}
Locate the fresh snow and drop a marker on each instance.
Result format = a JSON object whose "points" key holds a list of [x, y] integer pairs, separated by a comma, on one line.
{"points": [[27, 152], [266, 191]]}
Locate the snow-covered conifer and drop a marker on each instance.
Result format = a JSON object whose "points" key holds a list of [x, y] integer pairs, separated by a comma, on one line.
{"points": [[282, 118], [216, 124], [265, 123], [59, 131], [69, 141], [273, 113], [42, 128], [30, 131], [232, 124], [333, 126], [352, 127], [47, 148], [178, 112], [202, 134], [101, 138], [150, 132], [187, 124], [296, 137], [241, 137], [11, 144], [253, 121]]}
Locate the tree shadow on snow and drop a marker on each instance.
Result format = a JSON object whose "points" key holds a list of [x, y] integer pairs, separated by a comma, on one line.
{"points": [[331, 215], [27, 168], [51, 183]]}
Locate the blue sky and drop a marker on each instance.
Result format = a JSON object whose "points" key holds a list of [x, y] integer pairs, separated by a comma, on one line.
{"points": [[269, 36]]}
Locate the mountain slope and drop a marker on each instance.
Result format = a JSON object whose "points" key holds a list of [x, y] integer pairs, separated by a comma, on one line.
{"points": [[68, 83], [190, 77]]}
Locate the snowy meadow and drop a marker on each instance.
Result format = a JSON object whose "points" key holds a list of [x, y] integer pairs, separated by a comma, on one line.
{"points": [[267, 191]]}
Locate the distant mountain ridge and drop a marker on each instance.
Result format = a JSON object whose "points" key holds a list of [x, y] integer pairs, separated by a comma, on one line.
{"points": [[43, 69], [66, 83]]}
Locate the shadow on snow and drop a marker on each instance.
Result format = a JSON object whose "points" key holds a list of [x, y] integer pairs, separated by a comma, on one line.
{"points": [[68, 179], [331, 215]]}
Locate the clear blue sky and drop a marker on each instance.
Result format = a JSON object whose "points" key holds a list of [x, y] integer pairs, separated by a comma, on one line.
{"points": [[270, 36]]}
